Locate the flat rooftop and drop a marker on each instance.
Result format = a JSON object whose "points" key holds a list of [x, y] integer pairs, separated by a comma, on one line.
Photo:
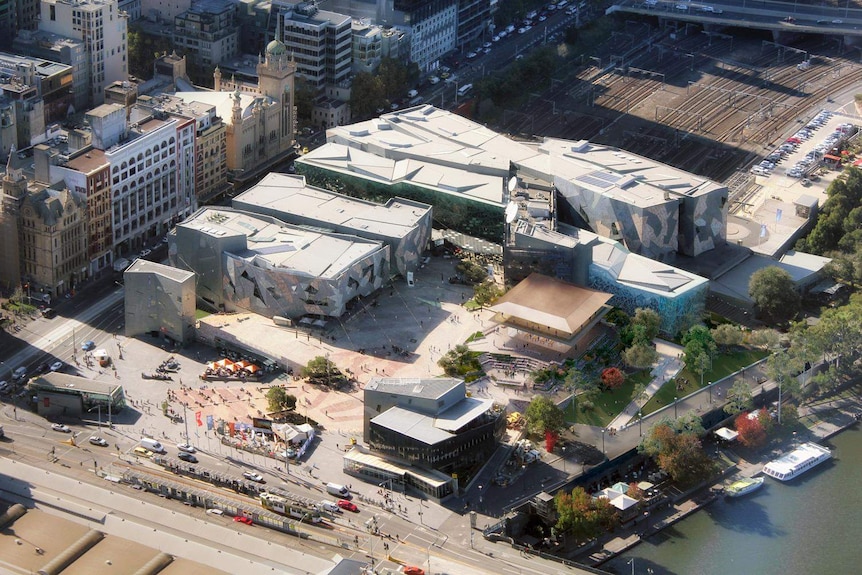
{"points": [[279, 245], [148, 267], [289, 194], [429, 388]]}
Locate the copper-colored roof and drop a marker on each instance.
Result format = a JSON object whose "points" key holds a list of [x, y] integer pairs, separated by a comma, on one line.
{"points": [[88, 162], [551, 302]]}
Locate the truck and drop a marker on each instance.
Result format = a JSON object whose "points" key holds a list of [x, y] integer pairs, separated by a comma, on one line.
{"points": [[121, 265]]}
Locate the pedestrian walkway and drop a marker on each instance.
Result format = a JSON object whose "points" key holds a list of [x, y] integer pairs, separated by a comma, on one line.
{"points": [[668, 366]]}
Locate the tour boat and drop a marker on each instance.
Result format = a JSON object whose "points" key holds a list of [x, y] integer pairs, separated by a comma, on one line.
{"points": [[797, 462], [743, 486]]}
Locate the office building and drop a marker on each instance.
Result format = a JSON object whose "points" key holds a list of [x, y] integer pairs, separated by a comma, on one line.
{"points": [[208, 32], [159, 299]]}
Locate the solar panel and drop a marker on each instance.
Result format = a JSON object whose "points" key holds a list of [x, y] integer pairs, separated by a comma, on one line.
{"points": [[607, 176], [588, 179]]}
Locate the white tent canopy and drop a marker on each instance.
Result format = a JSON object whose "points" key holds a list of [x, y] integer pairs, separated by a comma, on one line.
{"points": [[726, 434]]}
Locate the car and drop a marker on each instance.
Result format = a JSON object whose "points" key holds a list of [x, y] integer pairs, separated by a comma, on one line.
{"points": [[394, 106], [88, 345], [100, 441], [472, 55], [164, 239], [522, 30], [188, 457], [243, 519], [347, 505], [542, 18], [790, 19], [142, 451], [329, 506], [19, 373], [486, 50], [445, 74], [252, 476], [486, 45], [186, 447], [145, 252], [49, 313], [495, 38], [822, 21], [519, 57], [56, 366], [682, 7], [4, 385], [215, 511], [61, 428], [434, 80], [413, 570], [837, 21]]}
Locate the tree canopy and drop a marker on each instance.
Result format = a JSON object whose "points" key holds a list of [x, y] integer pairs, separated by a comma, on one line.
{"points": [[699, 348], [774, 293], [612, 377], [279, 400], [752, 434], [543, 415], [640, 355], [727, 335], [581, 516], [321, 370], [738, 398], [680, 455]]}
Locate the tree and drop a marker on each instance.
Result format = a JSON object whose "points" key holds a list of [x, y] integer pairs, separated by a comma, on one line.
{"points": [[396, 77], [727, 335], [612, 378], [765, 338], [699, 348], [303, 95], [322, 371], [367, 95], [738, 398], [650, 320], [774, 293], [640, 355], [459, 361], [279, 400], [582, 516], [486, 292], [750, 429], [543, 415], [472, 272], [681, 455]]}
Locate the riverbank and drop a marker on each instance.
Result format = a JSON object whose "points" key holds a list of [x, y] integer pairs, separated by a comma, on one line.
{"points": [[822, 420]]}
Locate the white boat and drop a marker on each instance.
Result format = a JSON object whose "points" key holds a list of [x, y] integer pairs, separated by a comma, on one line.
{"points": [[743, 486], [797, 462]]}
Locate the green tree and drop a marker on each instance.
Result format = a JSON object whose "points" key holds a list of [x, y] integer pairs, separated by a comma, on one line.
{"points": [[764, 338], [650, 320], [321, 370], [304, 95], [367, 95], [278, 399], [774, 293], [486, 292], [543, 415], [397, 77], [640, 355], [459, 361], [581, 516], [143, 49], [727, 335], [472, 272], [698, 348], [681, 455], [738, 398]]}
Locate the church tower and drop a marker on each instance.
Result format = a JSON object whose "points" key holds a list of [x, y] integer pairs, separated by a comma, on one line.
{"points": [[275, 78]]}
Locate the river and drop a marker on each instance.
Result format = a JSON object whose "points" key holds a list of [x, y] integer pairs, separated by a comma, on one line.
{"points": [[810, 526]]}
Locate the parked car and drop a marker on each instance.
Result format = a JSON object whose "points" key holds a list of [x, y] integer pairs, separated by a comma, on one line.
{"points": [[186, 447], [142, 451], [145, 252], [188, 457], [19, 373], [4, 385], [243, 519], [215, 511], [61, 428], [49, 313], [347, 505], [412, 570], [100, 441]]}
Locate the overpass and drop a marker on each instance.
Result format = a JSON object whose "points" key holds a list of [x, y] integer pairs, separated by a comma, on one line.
{"points": [[782, 18]]}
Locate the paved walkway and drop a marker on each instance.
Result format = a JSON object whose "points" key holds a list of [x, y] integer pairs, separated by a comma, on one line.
{"points": [[666, 368]]}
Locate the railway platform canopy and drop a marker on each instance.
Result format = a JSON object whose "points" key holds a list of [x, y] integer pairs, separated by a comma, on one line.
{"points": [[778, 17]]}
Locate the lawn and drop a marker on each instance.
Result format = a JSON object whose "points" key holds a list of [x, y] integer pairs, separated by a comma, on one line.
{"points": [[608, 404], [722, 366], [200, 313]]}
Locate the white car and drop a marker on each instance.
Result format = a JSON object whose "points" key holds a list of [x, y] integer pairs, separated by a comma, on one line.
{"points": [[434, 80], [215, 511], [100, 441], [61, 428], [56, 366], [4, 385], [146, 252], [251, 476], [186, 447]]}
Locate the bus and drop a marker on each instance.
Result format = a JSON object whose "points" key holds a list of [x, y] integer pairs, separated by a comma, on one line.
{"points": [[283, 506]]}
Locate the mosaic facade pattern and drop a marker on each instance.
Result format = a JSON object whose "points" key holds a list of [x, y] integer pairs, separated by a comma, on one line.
{"points": [[689, 225], [677, 310]]}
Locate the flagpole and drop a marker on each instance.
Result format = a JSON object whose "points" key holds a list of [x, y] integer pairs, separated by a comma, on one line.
{"points": [[186, 421]]}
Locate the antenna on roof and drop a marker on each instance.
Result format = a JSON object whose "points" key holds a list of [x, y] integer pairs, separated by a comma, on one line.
{"points": [[511, 212], [513, 183]]}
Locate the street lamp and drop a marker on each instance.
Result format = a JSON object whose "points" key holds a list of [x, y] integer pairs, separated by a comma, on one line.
{"points": [[710, 392], [675, 400], [603, 441], [480, 496], [524, 477], [564, 460], [640, 423]]}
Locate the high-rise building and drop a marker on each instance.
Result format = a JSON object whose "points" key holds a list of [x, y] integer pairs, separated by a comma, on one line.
{"points": [[208, 33], [320, 42], [102, 28]]}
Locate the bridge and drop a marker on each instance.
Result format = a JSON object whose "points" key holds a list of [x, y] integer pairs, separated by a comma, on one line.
{"points": [[782, 18]]}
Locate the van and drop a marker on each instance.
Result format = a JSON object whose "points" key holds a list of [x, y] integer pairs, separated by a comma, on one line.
{"points": [[412, 94], [152, 445], [338, 490], [464, 89], [329, 506]]}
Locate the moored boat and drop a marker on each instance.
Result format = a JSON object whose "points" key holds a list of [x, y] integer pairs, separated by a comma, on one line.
{"points": [[743, 486], [797, 462]]}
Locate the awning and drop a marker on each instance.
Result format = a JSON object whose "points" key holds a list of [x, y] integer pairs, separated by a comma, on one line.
{"points": [[726, 434]]}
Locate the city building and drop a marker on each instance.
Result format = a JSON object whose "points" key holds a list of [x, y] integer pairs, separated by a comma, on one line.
{"points": [[102, 28], [263, 265], [403, 225], [208, 32], [210, 140], [26, 80], [432, 25], [164, 11], [58, 48], [8, 21], [132, 8], [61, 394], [430, 423], [320, 42], [159, 299], [260, 116], [474, 16], [47, 225], [550, 312]]}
